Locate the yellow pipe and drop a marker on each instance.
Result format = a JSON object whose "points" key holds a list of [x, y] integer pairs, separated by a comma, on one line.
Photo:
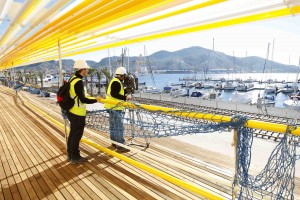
{"points": [[240, 20], [138, 9], [167, 177], [25, 14], [68, 28], [52, 10], [48, 28], [245, 19], [171, 179], [177, 12], [65, 25], [116, 21], [184, 10], [280, 128]]}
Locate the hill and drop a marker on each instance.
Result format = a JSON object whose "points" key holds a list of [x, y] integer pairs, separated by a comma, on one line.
{"points": [[195, 59]]}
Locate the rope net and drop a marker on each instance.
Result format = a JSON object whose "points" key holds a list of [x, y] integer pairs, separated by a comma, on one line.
{"points": [[275, 181]]}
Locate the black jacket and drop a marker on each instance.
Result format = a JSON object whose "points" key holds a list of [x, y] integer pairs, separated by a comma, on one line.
{"points": [[79, 90], [115, 90]]}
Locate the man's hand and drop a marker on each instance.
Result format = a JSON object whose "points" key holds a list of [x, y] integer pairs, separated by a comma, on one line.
{"points": [[98, 98], [128, 97]]}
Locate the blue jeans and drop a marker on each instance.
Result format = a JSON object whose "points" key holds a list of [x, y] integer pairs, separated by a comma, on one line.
{"points": [[116, 128]]}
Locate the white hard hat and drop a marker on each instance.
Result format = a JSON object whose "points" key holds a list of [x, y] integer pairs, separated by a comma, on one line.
{"points": [[121, 71], [81, 64]]}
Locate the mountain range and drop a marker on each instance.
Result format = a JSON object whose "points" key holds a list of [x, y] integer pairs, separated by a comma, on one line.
{"points": [[192, 59]]}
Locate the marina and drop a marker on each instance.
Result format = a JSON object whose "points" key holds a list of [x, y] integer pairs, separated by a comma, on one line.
{"points": [[208, 110], [276, 96]]}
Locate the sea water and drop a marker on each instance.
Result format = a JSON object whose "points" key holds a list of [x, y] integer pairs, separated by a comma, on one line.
{"points": [[161, 80]]}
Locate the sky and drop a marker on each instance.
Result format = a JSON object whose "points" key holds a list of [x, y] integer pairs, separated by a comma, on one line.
{"points": [[251, 39]]}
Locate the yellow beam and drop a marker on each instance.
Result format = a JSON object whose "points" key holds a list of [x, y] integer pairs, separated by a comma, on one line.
{"points": [[240, 20], [47, 30], [177, 12], [25, 14], [53, 10], [219, 24], [86, 21]]}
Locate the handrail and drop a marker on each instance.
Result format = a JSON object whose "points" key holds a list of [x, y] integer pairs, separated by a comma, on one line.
{"points": [[267, 126]]}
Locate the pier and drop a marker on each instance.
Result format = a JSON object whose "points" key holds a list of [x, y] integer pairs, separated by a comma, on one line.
{"points": [[34, 160], [34, 163]]}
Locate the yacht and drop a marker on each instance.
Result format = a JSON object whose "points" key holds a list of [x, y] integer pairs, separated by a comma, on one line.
{"points": [[48, 78], [270, 88], [289, 88], [229, 86], [151, 89]]}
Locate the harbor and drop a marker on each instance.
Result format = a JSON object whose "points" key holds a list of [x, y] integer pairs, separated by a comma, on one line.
{"points": [[272, 94], [149, 100]]}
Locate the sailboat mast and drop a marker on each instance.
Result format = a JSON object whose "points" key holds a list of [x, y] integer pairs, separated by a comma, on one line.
{"points": [[128, 61], [109, 65], [272, 57], [297, 76]]}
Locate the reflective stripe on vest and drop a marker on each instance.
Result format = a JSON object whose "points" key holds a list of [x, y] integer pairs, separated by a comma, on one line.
{"points": [[78, 108], [108, 96]]}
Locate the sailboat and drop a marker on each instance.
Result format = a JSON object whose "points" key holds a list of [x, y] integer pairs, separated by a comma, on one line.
{"points": [[270, 87], [150, 88], [294, 101]]}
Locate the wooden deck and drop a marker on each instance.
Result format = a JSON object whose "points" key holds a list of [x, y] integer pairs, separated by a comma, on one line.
{"points": [[33, 164]]}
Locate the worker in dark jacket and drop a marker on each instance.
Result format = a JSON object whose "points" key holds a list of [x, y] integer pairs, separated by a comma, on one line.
{"points": [[77, 113], [115, 91]]}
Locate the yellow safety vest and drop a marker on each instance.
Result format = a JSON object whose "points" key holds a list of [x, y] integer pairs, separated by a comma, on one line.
{"points": [[109, 97], [78, 108]]}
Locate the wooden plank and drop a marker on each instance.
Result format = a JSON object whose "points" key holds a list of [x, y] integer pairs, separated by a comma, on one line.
{"points": [[47, 177], [147, 180], [9, 170], [109, 177], [51, 150], [6, 192], [27, 172], [16, 164]]}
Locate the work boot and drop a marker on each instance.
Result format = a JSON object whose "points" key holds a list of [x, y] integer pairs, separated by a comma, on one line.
{"points": [[122, 150], [112, 147], [78, 160]]}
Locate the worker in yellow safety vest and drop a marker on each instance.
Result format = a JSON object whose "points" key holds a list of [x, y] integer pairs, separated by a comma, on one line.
{"points": [[77, 113], [115, 91]]}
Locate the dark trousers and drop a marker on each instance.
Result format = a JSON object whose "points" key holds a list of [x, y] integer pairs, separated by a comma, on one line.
{"points": [[77, 124]]}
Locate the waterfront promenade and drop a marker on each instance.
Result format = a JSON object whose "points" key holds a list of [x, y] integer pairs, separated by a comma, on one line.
{"points": [[35, 167]]}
